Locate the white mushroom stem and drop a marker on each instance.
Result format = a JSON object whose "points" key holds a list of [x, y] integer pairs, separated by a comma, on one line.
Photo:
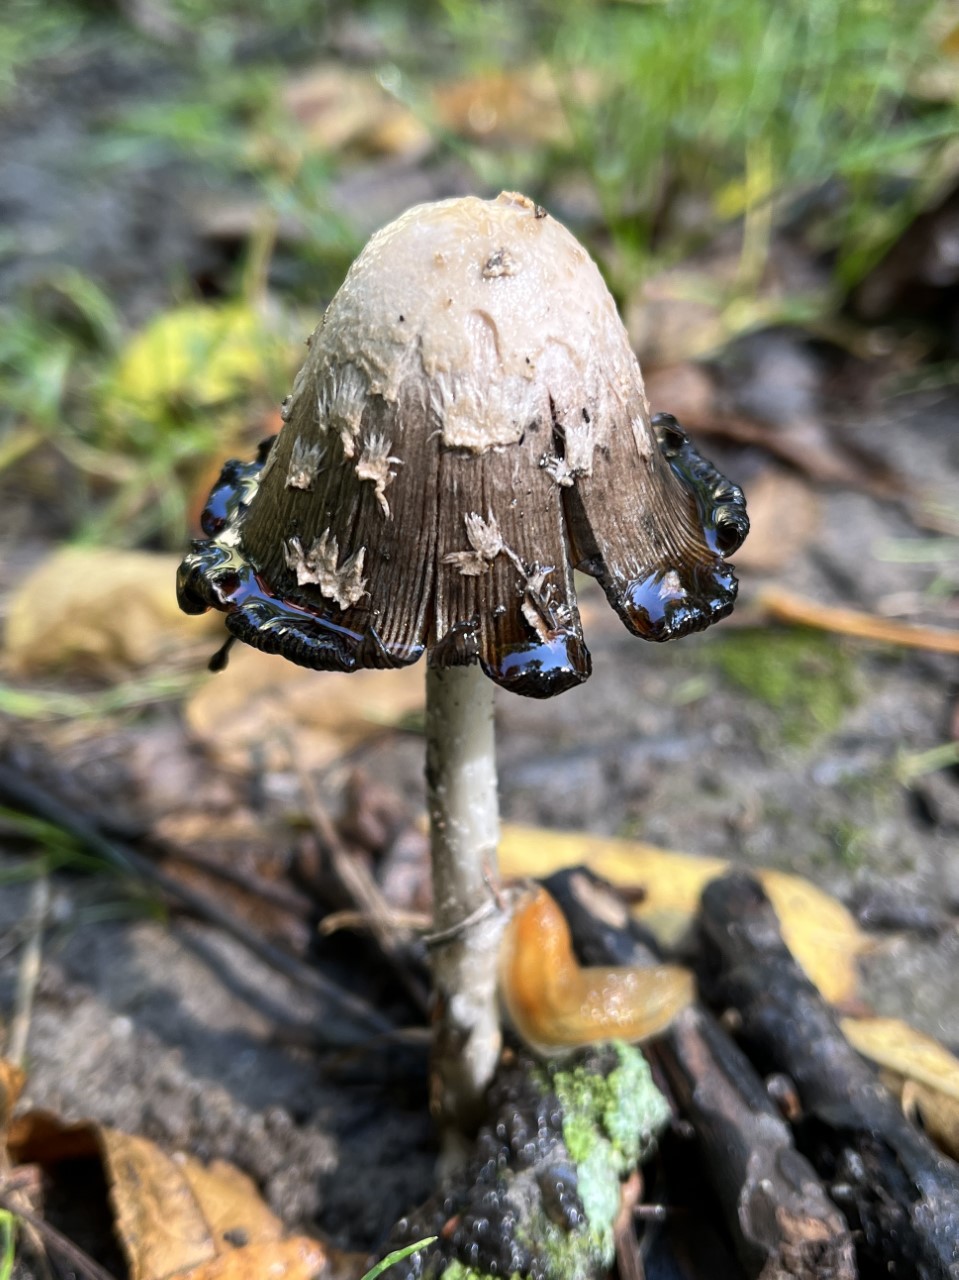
{"points": [[467, 920]]}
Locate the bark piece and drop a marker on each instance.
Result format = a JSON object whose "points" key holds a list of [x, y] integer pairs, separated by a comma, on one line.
{"points": [[540, 1195], [898, 1192], [784, 1225]]}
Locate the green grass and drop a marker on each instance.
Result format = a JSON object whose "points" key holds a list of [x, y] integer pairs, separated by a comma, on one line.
{"points": [[8, 1242], [748, 109], [397, 1256], [686, 118]]}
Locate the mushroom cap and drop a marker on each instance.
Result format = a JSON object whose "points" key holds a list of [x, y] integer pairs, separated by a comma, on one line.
{"points": [[469, 425]]}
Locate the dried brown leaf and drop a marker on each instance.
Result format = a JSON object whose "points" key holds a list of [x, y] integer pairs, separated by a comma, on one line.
{"points": [[101, 611], [254, 710], [173, 1215], [921, 1070], [230, 1203], [341, 107], [159, 1221], [12, 1080], [298, 1258], [40, 1137], [521, 105]]}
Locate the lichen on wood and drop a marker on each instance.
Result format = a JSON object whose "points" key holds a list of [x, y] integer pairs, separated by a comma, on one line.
{"points": [[541, 1192]]}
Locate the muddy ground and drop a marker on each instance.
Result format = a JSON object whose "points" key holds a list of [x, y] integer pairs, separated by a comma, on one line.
{"points": [[171, 1029]]}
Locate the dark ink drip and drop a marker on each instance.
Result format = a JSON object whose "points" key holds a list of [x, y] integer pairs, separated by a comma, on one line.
{"points": [[233, 491], [667, 605], [533, 668], [539, 669], [217, 575], [720, 503], [458, 647], [214, 576], [673, 601], [219, 660]]}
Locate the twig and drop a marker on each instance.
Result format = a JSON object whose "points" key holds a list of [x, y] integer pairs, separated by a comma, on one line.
{"points": [[898, 1192], [280, 896], [360, 887], [783, 606], [24, 794], [777, 1211], [437, 937], [29, 969], [74, 1255], [629, 1260], [348, 918]]}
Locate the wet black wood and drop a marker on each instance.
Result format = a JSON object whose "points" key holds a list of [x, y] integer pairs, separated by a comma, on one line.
{"points": [[774, 1205], [900, 1193]]}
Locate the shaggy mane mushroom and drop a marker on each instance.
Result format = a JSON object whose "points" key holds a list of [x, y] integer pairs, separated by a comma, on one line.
{"points": [[469, 426]]}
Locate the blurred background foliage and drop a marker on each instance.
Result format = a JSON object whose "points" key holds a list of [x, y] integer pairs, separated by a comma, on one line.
{"points": [[754, 161]]}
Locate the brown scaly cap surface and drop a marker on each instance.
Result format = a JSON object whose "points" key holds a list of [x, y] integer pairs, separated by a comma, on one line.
{"points": [[469, 425]]}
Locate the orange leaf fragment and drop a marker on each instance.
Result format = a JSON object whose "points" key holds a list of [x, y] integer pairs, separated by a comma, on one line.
{"points": [[12, 1079], [298, 1258], [230, 1203], [555, 1003], [158, 1219]]}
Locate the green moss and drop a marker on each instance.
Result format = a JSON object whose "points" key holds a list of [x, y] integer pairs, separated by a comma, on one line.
{"points": [[850, 841], [459, 1271], [612, 1112], [807, 677], [610, 1124], [575, 1255], [623, 1107]]}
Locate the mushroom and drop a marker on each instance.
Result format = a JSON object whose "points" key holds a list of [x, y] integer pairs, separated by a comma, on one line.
{"points": [[469, 426]]}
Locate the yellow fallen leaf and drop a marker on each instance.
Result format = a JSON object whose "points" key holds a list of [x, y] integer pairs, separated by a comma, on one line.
{"points": [[230, 1203], [197, 356], [340, 107], [939, 1113], [260, 705], [819, 931], [175, 1218], [158, 1219], [822, 935], [99, 610], [918, 1068], [900, 1047], [298, 1258]]}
